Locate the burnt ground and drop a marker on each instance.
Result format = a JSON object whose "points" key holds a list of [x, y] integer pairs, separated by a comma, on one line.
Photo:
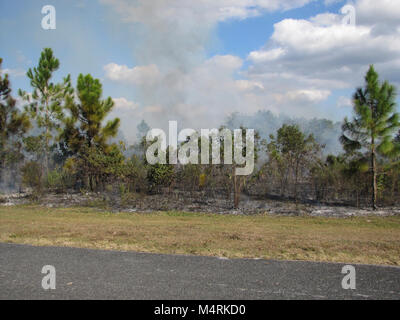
{"points": [[189, 202]]}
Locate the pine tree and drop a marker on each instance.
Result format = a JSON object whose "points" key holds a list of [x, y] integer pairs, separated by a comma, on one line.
{"points": [[91, 111], [46, 102], [84, 133], [13, 124], [292, 152], [373, 125]]}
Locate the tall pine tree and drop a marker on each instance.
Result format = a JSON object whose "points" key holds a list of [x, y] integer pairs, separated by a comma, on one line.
{"points": [[13, 124], [46, 102], [373, 125], [89, 113], [85, 132]]}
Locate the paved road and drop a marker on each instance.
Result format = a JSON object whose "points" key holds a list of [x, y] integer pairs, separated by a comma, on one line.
{"points": [[92, 274]]}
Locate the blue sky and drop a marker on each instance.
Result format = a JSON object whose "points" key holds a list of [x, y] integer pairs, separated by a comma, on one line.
{"points": [[198, 62], [242, 36]]}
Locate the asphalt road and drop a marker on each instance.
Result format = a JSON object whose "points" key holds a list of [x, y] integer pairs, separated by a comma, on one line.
{"points": [[92, 274]]}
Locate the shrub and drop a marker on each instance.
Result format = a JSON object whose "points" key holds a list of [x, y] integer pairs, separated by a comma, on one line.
{"points": [[32, 176]]}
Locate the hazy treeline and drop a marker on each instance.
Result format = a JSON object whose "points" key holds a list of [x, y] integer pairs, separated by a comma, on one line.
{"points": [[326, 132], [61, 141]]}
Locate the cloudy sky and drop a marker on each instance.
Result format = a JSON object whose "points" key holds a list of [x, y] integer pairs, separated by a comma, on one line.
{"points": [[198, 61]]}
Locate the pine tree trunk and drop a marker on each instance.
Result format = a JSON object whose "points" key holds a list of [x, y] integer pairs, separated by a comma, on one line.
{"points": [[46, 160], [394, 181], [374, 184], [2, 153], [236, 188], [296, 181], [91, 183]]}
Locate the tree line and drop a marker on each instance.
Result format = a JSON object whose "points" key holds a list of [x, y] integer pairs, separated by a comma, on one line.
{"points": [[61, 141]]}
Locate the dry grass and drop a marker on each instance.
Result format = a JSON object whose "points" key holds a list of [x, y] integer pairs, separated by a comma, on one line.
{"points": [[370, 240]]}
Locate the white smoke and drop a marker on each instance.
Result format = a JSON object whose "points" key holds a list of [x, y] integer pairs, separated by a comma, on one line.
{"points": [[172, 77]]}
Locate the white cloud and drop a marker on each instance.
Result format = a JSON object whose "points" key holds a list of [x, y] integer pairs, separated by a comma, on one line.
{"points": [[326, 19], [324, 54], [267, 55], [141, 75], [122, 104], [372, 12], [306, 37], [304, 61], [313, 96], [344, 102]]}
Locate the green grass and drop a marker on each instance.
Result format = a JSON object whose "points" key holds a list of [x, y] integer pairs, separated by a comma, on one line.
{"points": [[370, 240]]}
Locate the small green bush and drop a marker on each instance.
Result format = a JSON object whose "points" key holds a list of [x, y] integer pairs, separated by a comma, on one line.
{"points": [[32, 175]]}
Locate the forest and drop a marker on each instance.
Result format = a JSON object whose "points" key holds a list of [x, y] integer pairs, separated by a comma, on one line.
{"points": [[57, 138]]}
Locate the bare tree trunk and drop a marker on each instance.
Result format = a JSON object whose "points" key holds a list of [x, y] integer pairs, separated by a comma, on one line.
{"points": [[374, 184], [2, 155], [296, 180], [283, 180], [358, 199], [236, 188], [46, 157], [91, 182], [394, 181]]}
